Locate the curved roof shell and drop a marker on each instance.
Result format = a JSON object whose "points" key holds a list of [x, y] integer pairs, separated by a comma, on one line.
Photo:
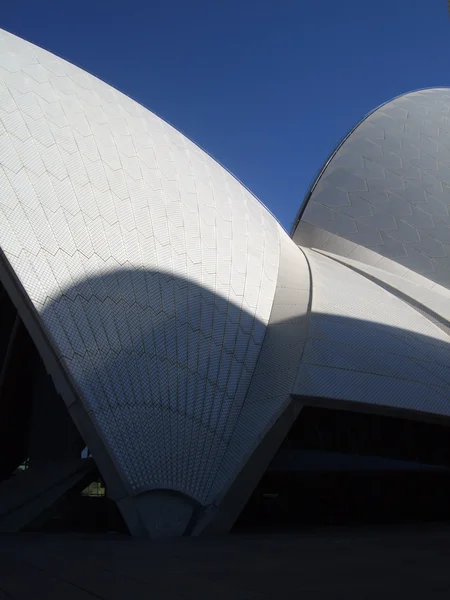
{"points": [[151, 268], [176, 317], [383, 197]]}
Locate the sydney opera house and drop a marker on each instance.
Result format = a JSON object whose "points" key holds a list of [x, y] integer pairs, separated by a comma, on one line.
{"points": [[166, 346]]}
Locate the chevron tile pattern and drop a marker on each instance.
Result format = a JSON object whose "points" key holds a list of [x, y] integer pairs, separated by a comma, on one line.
{"points": [[153, 269], [387, 190]]}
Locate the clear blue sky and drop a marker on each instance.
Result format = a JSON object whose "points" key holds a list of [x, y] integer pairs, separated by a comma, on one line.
{"points": [[267, 87]]}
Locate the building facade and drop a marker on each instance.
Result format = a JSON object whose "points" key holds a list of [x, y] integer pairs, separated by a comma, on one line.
{"points": [[176, 330]]}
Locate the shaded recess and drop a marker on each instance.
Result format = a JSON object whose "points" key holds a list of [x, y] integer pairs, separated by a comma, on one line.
{"points": [[42, 474], [34, 422], [342, 467]]}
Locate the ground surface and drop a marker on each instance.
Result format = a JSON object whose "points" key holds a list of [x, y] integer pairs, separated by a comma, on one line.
{"points": [[408, 563]]}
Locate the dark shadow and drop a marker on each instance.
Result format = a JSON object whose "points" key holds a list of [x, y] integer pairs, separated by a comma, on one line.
{"points": [[342, 467], [176, 357]]}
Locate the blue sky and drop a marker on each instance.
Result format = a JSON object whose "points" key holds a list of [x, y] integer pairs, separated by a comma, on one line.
{"points": [[267, 87]]}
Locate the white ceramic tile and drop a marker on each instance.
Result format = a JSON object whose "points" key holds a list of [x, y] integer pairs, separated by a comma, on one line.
{"points": [[120, 190]]}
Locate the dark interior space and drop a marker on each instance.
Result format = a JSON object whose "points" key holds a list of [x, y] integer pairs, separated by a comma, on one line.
{"points": [[18, 359], [35, 426], [369, 434], [343, 468], [38, 437], [85, 509]]}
